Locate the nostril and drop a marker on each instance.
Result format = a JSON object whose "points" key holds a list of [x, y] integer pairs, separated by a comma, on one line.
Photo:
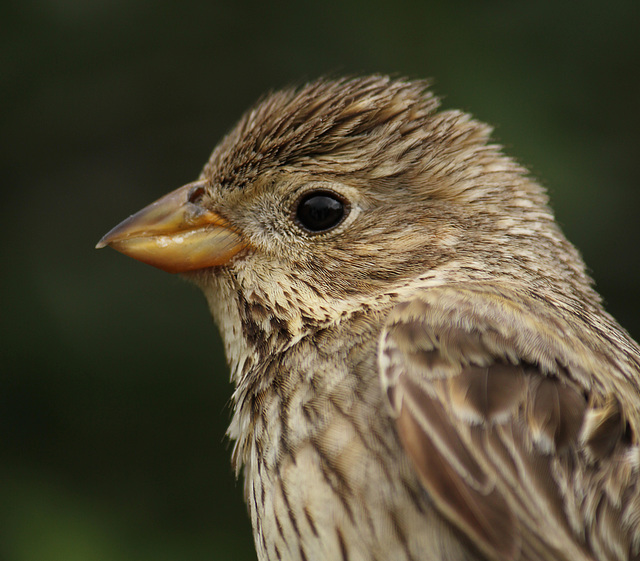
{"points": [[196, 194]]}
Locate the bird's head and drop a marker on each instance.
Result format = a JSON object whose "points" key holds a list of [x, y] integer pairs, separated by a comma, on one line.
{"points": [[326, 198]]}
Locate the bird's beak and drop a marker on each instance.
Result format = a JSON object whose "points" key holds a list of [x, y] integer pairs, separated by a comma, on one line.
{"points": [[176, 234]]}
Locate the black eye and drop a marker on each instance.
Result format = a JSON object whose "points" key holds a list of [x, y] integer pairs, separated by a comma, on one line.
{"points": [[319, 211]]}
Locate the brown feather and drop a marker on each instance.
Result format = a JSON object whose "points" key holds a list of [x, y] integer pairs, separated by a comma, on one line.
{"points": [[482, 515], [490, 393], [555, 413], [602, 429], [479, 418]]}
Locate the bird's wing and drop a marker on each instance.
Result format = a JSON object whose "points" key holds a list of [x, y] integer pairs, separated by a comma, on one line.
{"points": [[504, 425]]}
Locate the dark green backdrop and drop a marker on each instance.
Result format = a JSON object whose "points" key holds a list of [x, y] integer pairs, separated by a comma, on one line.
{"points": [[113, 390]]}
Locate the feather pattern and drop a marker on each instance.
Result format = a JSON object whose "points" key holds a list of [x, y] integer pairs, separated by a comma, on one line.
{"points": [[501, 435]]}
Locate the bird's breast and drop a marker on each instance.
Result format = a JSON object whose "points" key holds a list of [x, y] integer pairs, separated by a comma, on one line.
{"points": [[325, 475]]}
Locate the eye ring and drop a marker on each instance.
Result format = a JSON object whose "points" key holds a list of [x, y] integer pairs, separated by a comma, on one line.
{"points": [[320, 210]]}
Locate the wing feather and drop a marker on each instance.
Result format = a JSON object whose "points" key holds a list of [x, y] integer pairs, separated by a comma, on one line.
{"points": [[514, 451]]}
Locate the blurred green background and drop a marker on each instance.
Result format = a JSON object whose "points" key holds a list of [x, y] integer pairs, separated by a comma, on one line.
{"points": [[113, 390]]}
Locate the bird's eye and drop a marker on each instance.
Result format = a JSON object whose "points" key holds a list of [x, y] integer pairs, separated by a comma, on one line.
{"points": [[319, 211]]}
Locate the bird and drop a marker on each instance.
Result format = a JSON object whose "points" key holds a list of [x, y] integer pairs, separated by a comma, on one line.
{"points": [[422, 367]]}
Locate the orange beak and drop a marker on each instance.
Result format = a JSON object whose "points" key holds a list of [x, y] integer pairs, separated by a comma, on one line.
{"points": [[175, 234]]}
